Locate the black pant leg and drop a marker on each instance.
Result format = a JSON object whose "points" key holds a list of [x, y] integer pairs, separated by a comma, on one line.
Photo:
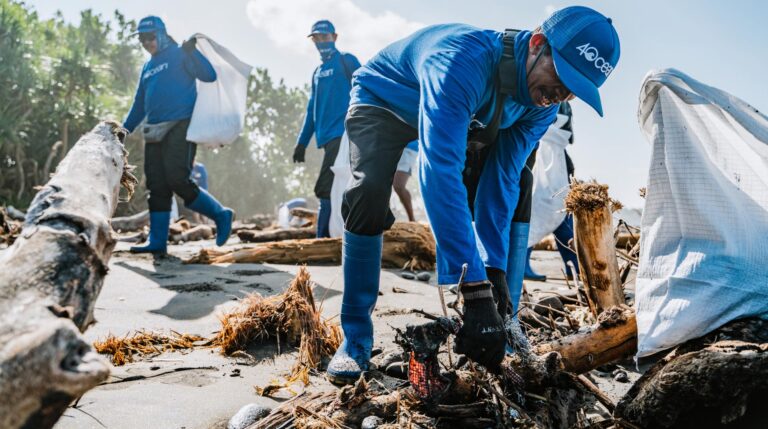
{"points": [[376, 142], [325, 178], [178, 160], [158, 192], [525, 200]]}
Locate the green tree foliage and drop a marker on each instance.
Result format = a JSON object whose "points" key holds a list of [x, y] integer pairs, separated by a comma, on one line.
{"points": [[57, 80]]}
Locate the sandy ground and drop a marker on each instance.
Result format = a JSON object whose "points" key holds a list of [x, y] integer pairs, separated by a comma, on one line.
{"points": [[202, 389]]}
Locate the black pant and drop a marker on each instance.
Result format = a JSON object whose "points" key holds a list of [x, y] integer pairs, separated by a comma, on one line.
{"points": [[376, 142], [471, 176], [325, 179], [168, 166]]}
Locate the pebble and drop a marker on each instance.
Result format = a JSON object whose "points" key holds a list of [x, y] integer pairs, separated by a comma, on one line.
{"points": [[371, 422], [408, 275], [424, 276], [247, 416], [550, 301], [621, 376]]}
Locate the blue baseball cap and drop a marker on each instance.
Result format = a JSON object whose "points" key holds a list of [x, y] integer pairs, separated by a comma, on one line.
{"points": [[322, 27], [585, 50], [150, 24]]}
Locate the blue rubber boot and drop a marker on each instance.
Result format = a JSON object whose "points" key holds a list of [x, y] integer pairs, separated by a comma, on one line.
{"points": [[206, 205], [516, 261], [362, 268], [159, 223], [529, 273], [324, 219], [564, 234], [518, 254]]}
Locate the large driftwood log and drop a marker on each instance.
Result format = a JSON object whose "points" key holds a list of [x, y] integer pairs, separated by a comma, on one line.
{"points": [[595, 247], [130, 223], [613, 337], [407, 244], [310, 215], [50, 279], [256, 236], [713, 381]]}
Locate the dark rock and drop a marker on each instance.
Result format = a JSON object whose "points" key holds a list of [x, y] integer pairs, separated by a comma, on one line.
{"points": [[553, 302]]}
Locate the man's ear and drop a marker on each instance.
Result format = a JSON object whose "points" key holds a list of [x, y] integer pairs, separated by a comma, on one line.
{"points": [[537, 42], [335, 36]]}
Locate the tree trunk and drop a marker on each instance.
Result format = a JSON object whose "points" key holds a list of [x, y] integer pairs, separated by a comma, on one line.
{"points": [[595, 247], [130, 223], [256, 236], [407, 244], [713, 381], [50, 279], [613, 337]]}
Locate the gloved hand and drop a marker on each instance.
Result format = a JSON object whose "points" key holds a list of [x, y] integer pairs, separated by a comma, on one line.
{"points": [[298, 153], [189, 45], [481, 337], [500, 290]]}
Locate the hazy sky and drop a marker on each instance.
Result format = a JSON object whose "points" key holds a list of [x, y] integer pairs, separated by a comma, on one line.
{"points": [[721, 43]]}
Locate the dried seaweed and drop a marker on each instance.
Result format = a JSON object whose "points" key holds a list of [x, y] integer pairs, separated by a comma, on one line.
{"points": [[589, 196], [143, 343]]}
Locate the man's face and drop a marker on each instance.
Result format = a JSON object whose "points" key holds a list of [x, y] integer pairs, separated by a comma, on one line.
{"points": [[544, 85], [149, 42], [323, 37]]}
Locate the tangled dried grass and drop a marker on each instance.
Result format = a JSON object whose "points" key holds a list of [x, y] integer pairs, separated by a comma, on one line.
{"points": [[292, 315], [143, 343], [589, 196]]}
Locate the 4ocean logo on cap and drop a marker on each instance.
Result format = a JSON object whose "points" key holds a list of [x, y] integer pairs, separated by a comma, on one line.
{"points": [[593, 55]]}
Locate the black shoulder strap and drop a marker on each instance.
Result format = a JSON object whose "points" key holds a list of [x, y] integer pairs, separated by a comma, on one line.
{"points": [[347, 71], [506, 82]]}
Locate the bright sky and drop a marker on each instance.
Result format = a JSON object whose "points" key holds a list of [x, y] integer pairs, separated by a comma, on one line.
{"points": [[721, 43]]}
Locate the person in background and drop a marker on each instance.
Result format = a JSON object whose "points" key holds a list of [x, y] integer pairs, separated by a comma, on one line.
{"points": [[477, 99], [405, 168], [326, 109], [564, 232], [165, 97]]}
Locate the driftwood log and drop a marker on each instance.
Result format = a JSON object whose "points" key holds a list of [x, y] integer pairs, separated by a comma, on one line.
{"points": [[195, 233], [613, 337], [265, 236], [131, 223], [310, 215], [718, 380], [407, 244], [50, 279], [595, 246]]}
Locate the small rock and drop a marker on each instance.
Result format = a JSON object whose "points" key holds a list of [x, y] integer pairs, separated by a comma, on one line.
{"points": [[371, 422], [235, 372], [408, 275], [621, 376], [397, 370], [553, 302], [247, 416], [424, 276], [154, 367]]}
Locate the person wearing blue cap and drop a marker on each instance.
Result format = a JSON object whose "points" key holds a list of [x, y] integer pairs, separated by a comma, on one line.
{"points": [[165, 97], [326, 108], [478, 101]]}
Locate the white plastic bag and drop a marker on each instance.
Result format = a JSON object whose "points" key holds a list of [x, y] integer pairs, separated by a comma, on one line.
{"points": [[703, 248], [550, 182], [219, 112], [342, 175]]}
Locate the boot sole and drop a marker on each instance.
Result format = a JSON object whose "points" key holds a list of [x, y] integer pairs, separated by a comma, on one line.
{"points": [[341, 380]]}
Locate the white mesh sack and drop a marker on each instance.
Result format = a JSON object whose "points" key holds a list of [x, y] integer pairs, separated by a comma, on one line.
{"points": [[705, 224]]}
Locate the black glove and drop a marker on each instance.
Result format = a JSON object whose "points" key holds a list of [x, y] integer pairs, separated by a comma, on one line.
{"points": [[500, 290], [298, 153], [189, 45], [481, 337]]}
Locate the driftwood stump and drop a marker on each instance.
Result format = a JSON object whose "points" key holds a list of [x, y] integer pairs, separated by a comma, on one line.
{"points": [[713, 381], [595, 246], [258, 236], [130, 223], [50, 279]]}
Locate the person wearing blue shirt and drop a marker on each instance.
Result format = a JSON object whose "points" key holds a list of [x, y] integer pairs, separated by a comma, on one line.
{"points": [[326, 109], [478, 101], [165, 97]]}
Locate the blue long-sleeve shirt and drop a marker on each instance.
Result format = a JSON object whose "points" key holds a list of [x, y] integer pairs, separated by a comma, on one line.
{"points": [[328, 100], [167, 90], [438, 80]]}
